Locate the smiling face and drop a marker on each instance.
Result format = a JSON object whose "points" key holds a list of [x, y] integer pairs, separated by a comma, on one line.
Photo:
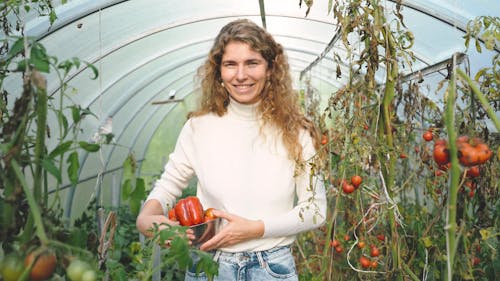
{"points": [[244, 72]]}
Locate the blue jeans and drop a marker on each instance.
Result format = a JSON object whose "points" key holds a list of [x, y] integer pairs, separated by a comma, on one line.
{"points": [[274, 264]]}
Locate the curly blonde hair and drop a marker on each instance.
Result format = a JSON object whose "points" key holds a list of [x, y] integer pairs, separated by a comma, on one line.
{"points": [[279, 102]]}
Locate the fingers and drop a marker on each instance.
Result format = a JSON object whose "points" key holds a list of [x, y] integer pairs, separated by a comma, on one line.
{"points": [[224, 215]]}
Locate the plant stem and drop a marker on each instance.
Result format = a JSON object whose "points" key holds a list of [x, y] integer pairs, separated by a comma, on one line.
{"points": [[389, 173], [482, 99], [451, 225], [41, 122], [35, 210]]}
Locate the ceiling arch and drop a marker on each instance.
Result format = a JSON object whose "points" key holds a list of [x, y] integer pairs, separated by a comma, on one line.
{"points": [[143, 50]]}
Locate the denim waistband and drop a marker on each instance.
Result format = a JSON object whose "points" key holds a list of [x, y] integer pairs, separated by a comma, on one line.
{"points": [[250, 257]]}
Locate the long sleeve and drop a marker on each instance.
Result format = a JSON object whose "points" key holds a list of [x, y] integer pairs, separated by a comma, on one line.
{"points": [[311, 207], [177, 172]]}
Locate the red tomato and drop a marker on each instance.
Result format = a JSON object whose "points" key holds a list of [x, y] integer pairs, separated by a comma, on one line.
{"points": [[43, 267], [324, 139], [441, 154], [347, 187], [334, 243], [473, 172], [365, 262], [172, 215], [356, 180], [427, 136], [381, 237], [374, 252]]}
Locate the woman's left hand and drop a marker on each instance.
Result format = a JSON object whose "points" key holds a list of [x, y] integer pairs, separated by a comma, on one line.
{"points": [[238, 229]]}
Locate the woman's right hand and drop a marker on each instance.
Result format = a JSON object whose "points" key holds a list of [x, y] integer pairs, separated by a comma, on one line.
{"points": [[151, 214]]}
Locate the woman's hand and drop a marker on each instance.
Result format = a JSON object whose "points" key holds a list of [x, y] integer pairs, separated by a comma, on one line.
{"points": [[237, 230], [152, 214]]}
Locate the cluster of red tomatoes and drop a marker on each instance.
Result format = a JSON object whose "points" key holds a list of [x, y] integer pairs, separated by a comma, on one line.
{"points": [[356, 181], [365, 261], [471, 152], [189, 211]]}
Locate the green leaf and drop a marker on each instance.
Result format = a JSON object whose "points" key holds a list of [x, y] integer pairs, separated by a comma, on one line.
{"points": [[90, 147], [129, 167], [73, 167], [478, 46], [39, 58], [137, 196], [95, 72], [427, 241], [60, 149], [126, 189], [75, 113], [52, 16], [17, 47], [50, 167]]}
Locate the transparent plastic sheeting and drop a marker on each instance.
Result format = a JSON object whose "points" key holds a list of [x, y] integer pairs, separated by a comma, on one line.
{"points": [[147, 50]]}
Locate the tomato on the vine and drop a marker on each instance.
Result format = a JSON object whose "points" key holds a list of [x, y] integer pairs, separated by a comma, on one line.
{"points": [[356, 180], [374, 252], [472, 152], [324, 139], [347, 187], [12, 267], [381, 237], [79, 270], [365, 262], [441, 153], [43, 267], [334, 243], [428, 136], [473, 172]]}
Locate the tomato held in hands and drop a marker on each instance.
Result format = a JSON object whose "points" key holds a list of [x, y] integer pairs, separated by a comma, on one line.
{"points": [[189, 211], [171, 215], [209, 214]]}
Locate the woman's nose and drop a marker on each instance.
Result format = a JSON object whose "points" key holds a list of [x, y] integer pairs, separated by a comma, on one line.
{"points": [[241, 73]]}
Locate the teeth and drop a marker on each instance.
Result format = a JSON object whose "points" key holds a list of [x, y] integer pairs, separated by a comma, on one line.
{"points": [[243, 86]]}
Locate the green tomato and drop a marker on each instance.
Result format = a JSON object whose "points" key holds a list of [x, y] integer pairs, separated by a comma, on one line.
{"points": [[76, 269], [89, 275], [12, 268]]}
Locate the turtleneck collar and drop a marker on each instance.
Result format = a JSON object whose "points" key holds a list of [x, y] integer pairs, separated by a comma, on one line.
{"points": [[243, 111]]}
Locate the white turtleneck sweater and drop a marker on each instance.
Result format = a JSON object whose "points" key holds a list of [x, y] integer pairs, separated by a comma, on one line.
{"points": [[247, 172]]}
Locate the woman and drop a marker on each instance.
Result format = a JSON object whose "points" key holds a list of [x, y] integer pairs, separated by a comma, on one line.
{"points": [[251, 149]]}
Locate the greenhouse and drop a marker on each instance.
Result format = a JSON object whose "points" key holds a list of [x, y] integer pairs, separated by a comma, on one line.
{"points": [[100, 103]]}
